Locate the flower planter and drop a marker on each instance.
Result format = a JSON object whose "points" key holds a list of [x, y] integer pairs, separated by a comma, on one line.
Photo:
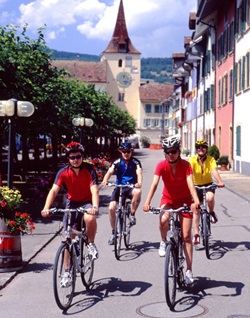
{"points": [[10, 249]]}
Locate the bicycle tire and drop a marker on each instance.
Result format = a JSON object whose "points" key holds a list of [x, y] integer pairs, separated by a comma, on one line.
{"points": [[180, 273], [118, 235], [205, 234], [127, 226], [87, 264], [170, 276], [63, 295]]}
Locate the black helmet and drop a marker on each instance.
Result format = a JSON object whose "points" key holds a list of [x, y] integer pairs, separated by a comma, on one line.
{"points": [[171, 142], [125, 145], [201, 142], [74, 147]]}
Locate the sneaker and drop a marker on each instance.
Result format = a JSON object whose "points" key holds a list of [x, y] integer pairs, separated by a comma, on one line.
{"points": [[132, 220], [213, 217], [196, 239], [66, 280], [189, 277], [93, 250], [162, 249], [111, 240]]}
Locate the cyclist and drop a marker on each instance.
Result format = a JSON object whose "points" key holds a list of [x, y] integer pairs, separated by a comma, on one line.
{"points": [[204, 169], [80, 180], [128, 170], [178, 189]]}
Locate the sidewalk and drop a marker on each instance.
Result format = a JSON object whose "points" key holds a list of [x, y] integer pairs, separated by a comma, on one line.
{"points": [[47, 229]]}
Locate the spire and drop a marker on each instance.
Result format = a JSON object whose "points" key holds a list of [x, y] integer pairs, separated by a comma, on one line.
{"points": [[120, 42]]}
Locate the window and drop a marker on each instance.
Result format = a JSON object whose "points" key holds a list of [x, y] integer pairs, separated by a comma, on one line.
{"points": [[231, 37], [248, 13], [157, 109], [128, 60], [157, 122], [239, 78], [231, 85], [121, 97], [248, 70], [219, 92], [148, 108], [120, 63], [224, 89], [146, 122], [238, 140]]}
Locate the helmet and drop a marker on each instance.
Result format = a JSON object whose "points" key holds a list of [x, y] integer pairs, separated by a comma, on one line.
{"points": [[74, 147], [125, 145], [201, 142], [171, 142]]}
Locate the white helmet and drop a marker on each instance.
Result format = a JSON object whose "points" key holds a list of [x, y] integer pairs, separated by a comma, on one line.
{"points": [[171, 142]]}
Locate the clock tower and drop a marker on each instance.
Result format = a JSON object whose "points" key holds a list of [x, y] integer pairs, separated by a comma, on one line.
{"points": [[123, 68]]}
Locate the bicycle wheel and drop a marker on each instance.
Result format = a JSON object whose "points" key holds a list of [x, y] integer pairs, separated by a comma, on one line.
{"points": [[126, 223], [170, 275], [118, 234], [86, 264], [205, 234], [181, 259], [63, 293]]}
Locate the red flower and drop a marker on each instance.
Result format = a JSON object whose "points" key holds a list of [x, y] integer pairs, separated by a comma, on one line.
{"points": [[3, 204]]}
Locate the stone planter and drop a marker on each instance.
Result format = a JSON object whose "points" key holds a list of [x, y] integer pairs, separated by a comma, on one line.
{"points": [[10, 249]]}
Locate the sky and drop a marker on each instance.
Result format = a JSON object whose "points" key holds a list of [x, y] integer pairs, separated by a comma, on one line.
{"points": [[155, 27]]}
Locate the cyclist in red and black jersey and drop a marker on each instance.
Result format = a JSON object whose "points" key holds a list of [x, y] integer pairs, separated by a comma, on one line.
{"points": [[128, 170], [81, 183]]}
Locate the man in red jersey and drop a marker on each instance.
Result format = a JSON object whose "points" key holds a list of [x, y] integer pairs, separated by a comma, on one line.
{"points": [[81, 183], [178, 189]]}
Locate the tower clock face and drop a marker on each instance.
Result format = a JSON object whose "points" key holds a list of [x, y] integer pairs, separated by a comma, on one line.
{"points": [[124, 79]]}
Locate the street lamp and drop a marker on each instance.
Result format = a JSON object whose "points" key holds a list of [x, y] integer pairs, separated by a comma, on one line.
{"points": [[12, 108], [82, 121]]}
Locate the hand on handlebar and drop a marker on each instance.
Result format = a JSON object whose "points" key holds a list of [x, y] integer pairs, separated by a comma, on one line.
{"points": [[46, 213], [221, 185], [146, 207]]}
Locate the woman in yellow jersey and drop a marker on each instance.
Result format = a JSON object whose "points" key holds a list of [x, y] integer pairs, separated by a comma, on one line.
{"points": [[204, 169]]}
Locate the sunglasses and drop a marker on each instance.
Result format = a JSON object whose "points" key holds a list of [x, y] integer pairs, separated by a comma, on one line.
{"points": [[172, 152], [126, 151], [75, 157], [203, 147]]}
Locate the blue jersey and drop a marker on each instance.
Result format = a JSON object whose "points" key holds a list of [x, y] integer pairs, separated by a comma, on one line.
{"points": [[126, 173]]}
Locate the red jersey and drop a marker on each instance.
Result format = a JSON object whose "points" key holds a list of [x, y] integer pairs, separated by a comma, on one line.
{"points": [[77, 186], [175, 191]]}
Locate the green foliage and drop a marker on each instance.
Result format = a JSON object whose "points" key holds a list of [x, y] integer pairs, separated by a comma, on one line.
{"points": [[158, 69], [60, 55], [145, 141], [214, 152], [223, 160], [186, 151]]}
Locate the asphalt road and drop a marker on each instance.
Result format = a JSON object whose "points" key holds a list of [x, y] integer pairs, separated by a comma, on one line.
{"points": [[133, 286]]}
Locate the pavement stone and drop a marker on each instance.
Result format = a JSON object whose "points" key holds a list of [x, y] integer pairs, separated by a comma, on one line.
{"points": [[47, 229]]}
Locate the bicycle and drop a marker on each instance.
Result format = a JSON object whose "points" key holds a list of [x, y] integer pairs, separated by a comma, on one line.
{"points": [[174, 258], [122, 222], [205, 224], [73, 253]]}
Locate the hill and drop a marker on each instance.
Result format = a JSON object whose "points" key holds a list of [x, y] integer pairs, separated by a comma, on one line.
{"points": [[157, 69]]}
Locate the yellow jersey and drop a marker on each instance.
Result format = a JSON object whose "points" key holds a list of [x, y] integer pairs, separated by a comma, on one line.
{"points": [[202, 174]]}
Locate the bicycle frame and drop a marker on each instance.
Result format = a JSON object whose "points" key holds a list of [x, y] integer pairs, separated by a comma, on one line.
{"points": [[122, 229]]}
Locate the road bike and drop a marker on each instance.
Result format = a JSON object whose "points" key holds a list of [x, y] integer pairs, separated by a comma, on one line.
{"points": [[205, 222], [72, 254], [174, 257], [122, 220]]}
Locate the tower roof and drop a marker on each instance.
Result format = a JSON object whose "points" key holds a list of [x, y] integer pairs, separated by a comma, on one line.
{"points": [[120, 42]]}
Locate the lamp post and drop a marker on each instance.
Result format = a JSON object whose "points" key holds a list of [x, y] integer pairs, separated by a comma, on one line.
{"points": [[12, 108], [81, 122]]}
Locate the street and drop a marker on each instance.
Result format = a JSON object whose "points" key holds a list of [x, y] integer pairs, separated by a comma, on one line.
{"points": [[133, 286]]}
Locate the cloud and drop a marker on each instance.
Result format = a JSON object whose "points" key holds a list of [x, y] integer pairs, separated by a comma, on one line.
{"points": [[158, 23]]}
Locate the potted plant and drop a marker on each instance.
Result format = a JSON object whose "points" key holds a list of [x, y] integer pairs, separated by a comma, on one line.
{"points": [[13, 222], [186, 152], [223, 162], [145, 142]]}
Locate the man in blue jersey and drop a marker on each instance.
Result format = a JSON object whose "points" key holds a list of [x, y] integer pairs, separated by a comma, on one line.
{"points": [[128, 170]]}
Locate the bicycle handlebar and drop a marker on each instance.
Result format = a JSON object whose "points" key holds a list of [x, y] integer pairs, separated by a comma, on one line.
{"points": [[112, 184], [211, 186], [59, 210], [184, 208]]}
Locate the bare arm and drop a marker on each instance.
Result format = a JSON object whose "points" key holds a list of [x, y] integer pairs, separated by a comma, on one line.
{"points": [[192, 190], [151, 193], [50, 199], [217, 177], [107, 176], [139, 177], [95, 198]]}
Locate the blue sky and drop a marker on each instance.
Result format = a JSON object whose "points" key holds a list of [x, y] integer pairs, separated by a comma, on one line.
{"points": [[156, 27]]}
